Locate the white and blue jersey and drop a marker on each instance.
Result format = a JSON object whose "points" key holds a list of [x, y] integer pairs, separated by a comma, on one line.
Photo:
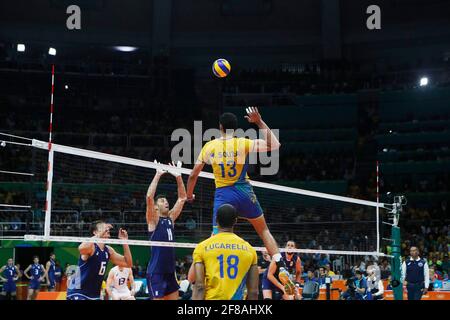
{"points": [[9, 274], [161, 279], [37, 271], [86, 283]]}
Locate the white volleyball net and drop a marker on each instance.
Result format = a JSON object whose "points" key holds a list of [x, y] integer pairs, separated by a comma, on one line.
{"points": [[84, 186]]}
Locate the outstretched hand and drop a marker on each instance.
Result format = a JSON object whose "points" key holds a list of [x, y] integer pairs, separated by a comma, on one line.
{"points": [[160, 171], [123, 234], [175, 169], [253, 115], [190, 199]]}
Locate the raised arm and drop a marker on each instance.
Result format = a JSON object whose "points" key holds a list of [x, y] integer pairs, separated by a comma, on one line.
{"points": [[252, 283], [151, 214], [175, 212], [270, 141], [198, 290], [192, 180], [125, 260]]}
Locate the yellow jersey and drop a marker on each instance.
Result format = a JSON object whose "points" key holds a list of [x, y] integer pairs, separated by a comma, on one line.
{"points": [[228, 158], [227, 259]]}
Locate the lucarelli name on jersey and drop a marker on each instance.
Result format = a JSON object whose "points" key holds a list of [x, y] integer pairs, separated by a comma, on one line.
{"points": [[226, 246]]}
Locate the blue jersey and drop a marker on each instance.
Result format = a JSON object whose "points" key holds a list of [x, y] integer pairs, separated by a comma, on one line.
{"points": [[162, 258], [58, 274], [88, 278], [290, 264], [10, 273], [36, 272], [51, 271]]}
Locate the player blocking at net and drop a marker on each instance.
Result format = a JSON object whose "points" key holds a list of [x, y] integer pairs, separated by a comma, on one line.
{"points": [[229, 158], [161, 280]]}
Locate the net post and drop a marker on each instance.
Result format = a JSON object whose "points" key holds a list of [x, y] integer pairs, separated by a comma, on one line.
{"points": [[396, 280]]}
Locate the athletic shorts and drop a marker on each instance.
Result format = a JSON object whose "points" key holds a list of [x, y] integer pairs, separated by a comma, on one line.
{"points": [[122, 295], [161, 284], [35, 285], [268, 285], [9, 286], [240, 196]]}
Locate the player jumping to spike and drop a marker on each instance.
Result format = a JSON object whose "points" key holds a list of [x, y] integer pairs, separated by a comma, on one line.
{"points": [[228, 157]]}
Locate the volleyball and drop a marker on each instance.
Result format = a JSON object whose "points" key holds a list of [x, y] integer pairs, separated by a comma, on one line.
{"points": [[221, 68]]}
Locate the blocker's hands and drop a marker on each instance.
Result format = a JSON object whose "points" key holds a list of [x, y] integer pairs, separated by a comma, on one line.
{"points": [[190, 199], [159, 171], [175, 169]]}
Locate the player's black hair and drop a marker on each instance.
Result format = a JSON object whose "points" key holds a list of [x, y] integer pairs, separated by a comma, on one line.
{"points": [[34, 257], [160, 196], [295, 243], [94, 225], [226, 216], [358, 272], [51, 254], [228, 121]]}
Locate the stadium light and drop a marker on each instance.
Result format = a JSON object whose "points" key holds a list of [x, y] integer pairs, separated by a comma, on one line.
{"points": [[21, 47], [125, 48], [52, 51], [423, 81]]}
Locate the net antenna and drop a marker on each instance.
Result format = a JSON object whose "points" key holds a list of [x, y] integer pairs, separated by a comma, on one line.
{"points": [[48, 198]]}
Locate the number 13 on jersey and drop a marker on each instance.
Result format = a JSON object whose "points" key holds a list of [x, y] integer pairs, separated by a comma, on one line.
{"points": [[231, 166]]}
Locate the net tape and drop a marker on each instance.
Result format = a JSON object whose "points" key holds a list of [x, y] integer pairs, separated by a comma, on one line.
{"points": [[149, 164]]}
